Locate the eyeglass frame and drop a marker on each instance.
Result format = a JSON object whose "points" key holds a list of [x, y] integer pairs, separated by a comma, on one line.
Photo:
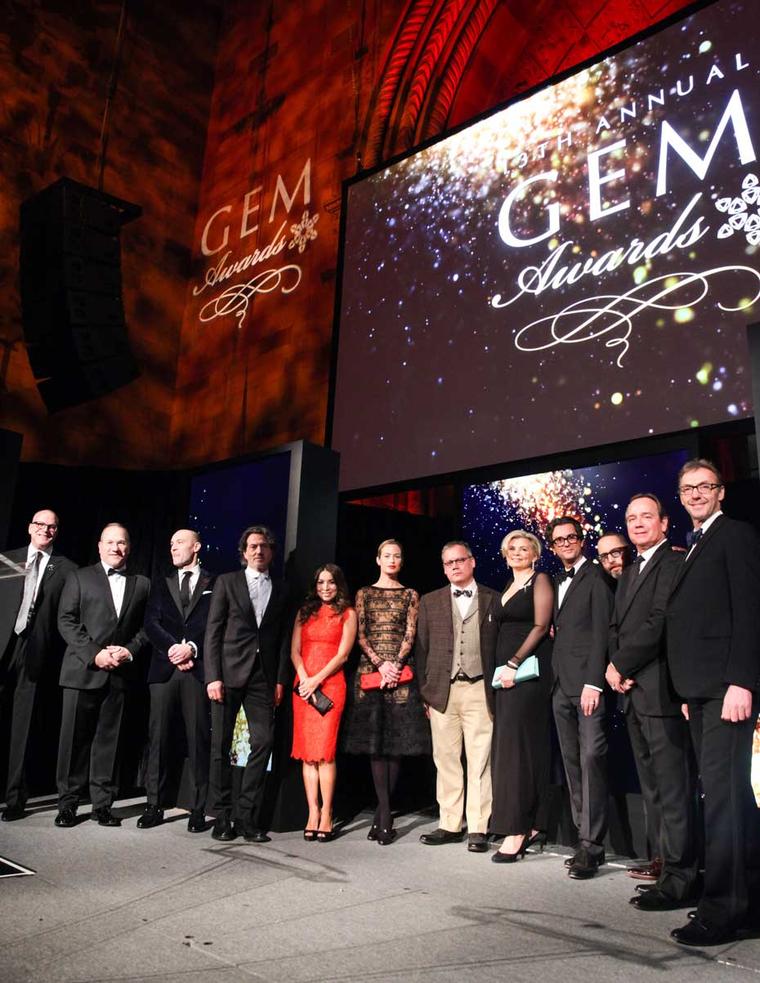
{"points": [[615, 554], [566, 540], [704, 488], [49, 526], [457, 559]]}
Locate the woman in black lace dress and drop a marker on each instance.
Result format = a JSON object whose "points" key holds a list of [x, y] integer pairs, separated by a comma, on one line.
{"points": [[387, 721], [520, 752]]}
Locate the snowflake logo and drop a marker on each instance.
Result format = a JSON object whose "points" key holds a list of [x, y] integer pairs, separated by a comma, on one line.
{"points": [[303, 231], [740, 218]]}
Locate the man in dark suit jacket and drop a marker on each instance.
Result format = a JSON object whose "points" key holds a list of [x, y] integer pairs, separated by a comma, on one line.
{"points": [[455, 654], [247, 663], [713, 647], [100, 617], [582, 608], [29, 643], [658, 732], [175, 623]]}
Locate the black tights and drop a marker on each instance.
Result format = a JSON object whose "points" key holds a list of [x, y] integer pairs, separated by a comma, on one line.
{"points": [[385, 773]]}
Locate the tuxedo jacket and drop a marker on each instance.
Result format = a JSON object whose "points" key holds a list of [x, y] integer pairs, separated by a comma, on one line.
{"points": [[434, 645], [234, 640], [166, 624], [637, 632], [88, 622], [43, 643], [711, 619], [581, 631]]}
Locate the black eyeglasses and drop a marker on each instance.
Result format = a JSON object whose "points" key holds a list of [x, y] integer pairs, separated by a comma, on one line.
{"points": [[566, 540], [613, 554], [704, 488], [50, 526]]}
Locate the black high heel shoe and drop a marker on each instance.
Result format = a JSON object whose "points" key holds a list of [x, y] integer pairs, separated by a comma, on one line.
{"points": [[310, 835], [510, 858], [372, 832], [538, 839], [385, 836]]}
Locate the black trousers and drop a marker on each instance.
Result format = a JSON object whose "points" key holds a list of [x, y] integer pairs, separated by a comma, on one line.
{"points": [[583, 743], [17, 694], [731, 817], [182, 695], [257, 700], [89, 744], [663, 755]]}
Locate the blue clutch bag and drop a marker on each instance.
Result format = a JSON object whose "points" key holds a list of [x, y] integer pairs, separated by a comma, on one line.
{"points": [[528, 670]]}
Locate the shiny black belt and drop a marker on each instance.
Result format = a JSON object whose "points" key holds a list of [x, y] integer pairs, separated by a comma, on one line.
{"points": [[463, 678]]}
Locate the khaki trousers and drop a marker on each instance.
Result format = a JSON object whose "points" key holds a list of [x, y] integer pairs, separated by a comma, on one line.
{"points": [[467, 719]]}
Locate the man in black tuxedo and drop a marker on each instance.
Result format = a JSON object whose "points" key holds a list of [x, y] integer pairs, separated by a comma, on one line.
{"points": [[100, 617], [247, 663], [713, 648], [582, 608], [658, 732], [175, 623], [29, 643]]}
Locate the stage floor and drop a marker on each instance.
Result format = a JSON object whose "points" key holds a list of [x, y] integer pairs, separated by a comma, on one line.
{"points": [[165, 905]]}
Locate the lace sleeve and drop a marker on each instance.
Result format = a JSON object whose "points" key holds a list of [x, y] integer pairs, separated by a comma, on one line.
{"points": [[364, 645], [413, 609], [543, 602]]}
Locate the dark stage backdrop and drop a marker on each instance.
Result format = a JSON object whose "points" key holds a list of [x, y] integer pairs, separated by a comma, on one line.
{"points": [[575, 270]]}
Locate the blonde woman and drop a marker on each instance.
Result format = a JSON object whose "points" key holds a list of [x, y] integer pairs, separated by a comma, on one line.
{"points": [[520, 750]]}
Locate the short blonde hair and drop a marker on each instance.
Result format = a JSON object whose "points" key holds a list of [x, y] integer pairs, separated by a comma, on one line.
{"points": [[521, 534]]}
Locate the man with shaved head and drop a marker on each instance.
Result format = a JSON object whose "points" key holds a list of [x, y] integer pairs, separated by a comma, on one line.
{"points": [[29, 643], [175, 624], [101, 619]]}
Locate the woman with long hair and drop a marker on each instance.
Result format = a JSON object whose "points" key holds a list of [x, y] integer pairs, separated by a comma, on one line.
{"points": [[323, 635]]}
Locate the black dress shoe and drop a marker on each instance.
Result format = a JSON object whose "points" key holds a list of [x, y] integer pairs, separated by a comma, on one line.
{"points": [[656, 900], [104, 817], [569, 861], [251, 835], [223, 829], [66, 818], [477, 843], [699, 933], [196, 822], [585, 865], [439, 836], [153, 816], [372, 832], [12, 813], [385, 836]]}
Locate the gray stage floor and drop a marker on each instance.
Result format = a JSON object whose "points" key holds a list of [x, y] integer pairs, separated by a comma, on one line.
{"points": [[165, 905]]}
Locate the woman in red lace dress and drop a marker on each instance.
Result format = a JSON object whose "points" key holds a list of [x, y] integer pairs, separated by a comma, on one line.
{"points": [[323, 635]]}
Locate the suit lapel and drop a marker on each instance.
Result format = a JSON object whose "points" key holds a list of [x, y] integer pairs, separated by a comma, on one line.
{"points": [[102, 576], [578, 575], [274, 596], [484, 602], [173, 586], [240, 586], [129, 588], [690, 559], [634, 580], [203, 582]]}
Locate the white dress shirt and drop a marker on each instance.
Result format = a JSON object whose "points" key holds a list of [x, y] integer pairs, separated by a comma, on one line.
{"points": [[118, 584], [463, 602]]}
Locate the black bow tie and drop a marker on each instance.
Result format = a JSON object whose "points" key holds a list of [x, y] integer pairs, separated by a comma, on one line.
{"points": [[568, 575], [460, 593], [693, 537], [113, 572]]}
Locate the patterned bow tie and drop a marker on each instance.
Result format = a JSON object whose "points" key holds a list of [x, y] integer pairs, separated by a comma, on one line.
{"points": [[461, 593]]}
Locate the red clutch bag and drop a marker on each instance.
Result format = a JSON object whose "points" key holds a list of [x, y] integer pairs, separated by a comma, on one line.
{"points": [[372, 680]]}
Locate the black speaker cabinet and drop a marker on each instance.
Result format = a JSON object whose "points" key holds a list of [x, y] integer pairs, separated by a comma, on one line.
{"points": [[70, 280]]}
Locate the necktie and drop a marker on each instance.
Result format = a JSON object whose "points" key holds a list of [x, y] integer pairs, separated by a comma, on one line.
{"points": [[462, 593], [184, 591], [27, 601], [693, 537], [637, 564]]}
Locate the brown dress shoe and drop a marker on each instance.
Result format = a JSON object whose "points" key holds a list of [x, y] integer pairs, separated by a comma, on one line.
{"points": [[646, 872]]}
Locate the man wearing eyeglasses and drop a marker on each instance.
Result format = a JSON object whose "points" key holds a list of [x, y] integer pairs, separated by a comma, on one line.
{"points": [[713, 648], [29, 643], [582, 608], [614, 553], [455, 655], [659, 735]]}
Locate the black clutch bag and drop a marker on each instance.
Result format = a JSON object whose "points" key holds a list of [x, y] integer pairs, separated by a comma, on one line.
{"points": [[321, 703]]}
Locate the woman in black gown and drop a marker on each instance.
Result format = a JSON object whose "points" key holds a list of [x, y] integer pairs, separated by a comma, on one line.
{"points": [[520, 751]]}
